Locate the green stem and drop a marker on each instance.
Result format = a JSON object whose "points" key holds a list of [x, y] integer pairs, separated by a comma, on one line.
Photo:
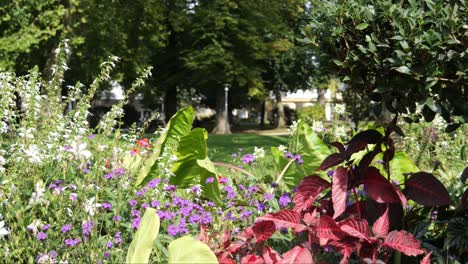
{"points": [[280, 176]]}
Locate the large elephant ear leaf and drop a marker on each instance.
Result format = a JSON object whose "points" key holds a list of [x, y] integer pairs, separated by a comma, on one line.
{"points": [[193, 165], [312, 149], [179, 125], [189, 250], [142, 244]]}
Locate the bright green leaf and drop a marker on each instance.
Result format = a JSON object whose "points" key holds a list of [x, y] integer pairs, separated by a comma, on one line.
{"points": [[189, 250], [362, 26], [142, 244]]}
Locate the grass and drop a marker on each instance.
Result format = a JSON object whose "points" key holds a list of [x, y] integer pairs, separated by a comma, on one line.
{"points": [[221, 147]]}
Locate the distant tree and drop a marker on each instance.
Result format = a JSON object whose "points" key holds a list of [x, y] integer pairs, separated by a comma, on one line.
{"points": [[399, 54], [29, 32]]}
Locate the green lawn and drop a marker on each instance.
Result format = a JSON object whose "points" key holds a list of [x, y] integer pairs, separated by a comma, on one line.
{"points": [[221, 147]]}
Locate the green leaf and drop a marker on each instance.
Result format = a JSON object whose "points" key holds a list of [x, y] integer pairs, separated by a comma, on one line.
{"points": [[188, 250], [362, 26], [179, 125], [399, 165], [312, 149], [193, 165], [403, 69], [293, 176], [142, 244]]}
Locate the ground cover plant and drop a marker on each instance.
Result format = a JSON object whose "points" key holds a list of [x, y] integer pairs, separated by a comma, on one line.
{"points": [[69, 193]]}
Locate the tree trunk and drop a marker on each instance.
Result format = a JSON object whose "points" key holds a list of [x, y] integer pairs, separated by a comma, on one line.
{"points": [[321, 96], [170, 104], [262, 115], [280, 107], [222, 118]]}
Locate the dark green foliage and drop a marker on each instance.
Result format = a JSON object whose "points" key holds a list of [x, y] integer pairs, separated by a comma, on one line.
{"points": [[397, 53]]}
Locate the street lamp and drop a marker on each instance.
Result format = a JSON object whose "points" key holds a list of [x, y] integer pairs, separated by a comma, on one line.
{"points": [[226, 117]]}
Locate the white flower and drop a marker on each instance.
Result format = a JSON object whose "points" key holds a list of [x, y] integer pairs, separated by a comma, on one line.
{"points": [[34, 226], [45, 259], [259, 153], [282, 148], [80, 151], [340, 132], [293, 127], [33, 153], [340, 109], [36, 196], [2, 161], [317, 126], [91, 205], [3, 230]]}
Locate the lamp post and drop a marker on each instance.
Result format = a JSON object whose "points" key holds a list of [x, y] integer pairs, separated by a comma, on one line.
{"points": [[226, 116]]}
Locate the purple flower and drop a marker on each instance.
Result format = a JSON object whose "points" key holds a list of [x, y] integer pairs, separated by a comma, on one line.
{"points": [[52, 186], [53, 254], [239, 149], [173, 230], [145, 205], [72, 242], [155, 203], [153, 183], [117, 218], [170, 188], [41, 236], [330, 173], [65, 228], [107, 254], [273, 185], [87, 227], [109, 176], [136, 222], [223, 180], [206, 218], [107, 206], [248, 158], [141, 192], [288, 155], [260, 206], [284, 200], [230, 192], [118, 238], [132, 202], [194, 219], [135, 213], [210, 204], [267, 196], [234, 155], [252, 189], [109, 244], [245, 214], [45, 227], [195, 189], [209, 180], [119, 172]]}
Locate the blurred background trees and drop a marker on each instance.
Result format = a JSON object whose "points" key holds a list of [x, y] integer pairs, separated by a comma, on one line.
{"points": [[393, 57]]}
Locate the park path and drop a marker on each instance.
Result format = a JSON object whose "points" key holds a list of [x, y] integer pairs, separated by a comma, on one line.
{"points": [[270, 132]]}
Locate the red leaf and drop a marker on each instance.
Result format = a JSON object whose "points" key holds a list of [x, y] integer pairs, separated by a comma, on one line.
{"points": [[330, 161], [356, 228], [311, 219], [426, 189], [263, 230], [236, 246], [400, 194], [379, 188], [404, 242], [360, 141], [297, 255], [270, 255], [426, 259], [339, 190], [464, 199], [339, 146], [225, 258], [285, 219], [328, 228], [247, 234], [307, 191], [252, 259], [353, 209], [345, 246], [381, 225]]}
